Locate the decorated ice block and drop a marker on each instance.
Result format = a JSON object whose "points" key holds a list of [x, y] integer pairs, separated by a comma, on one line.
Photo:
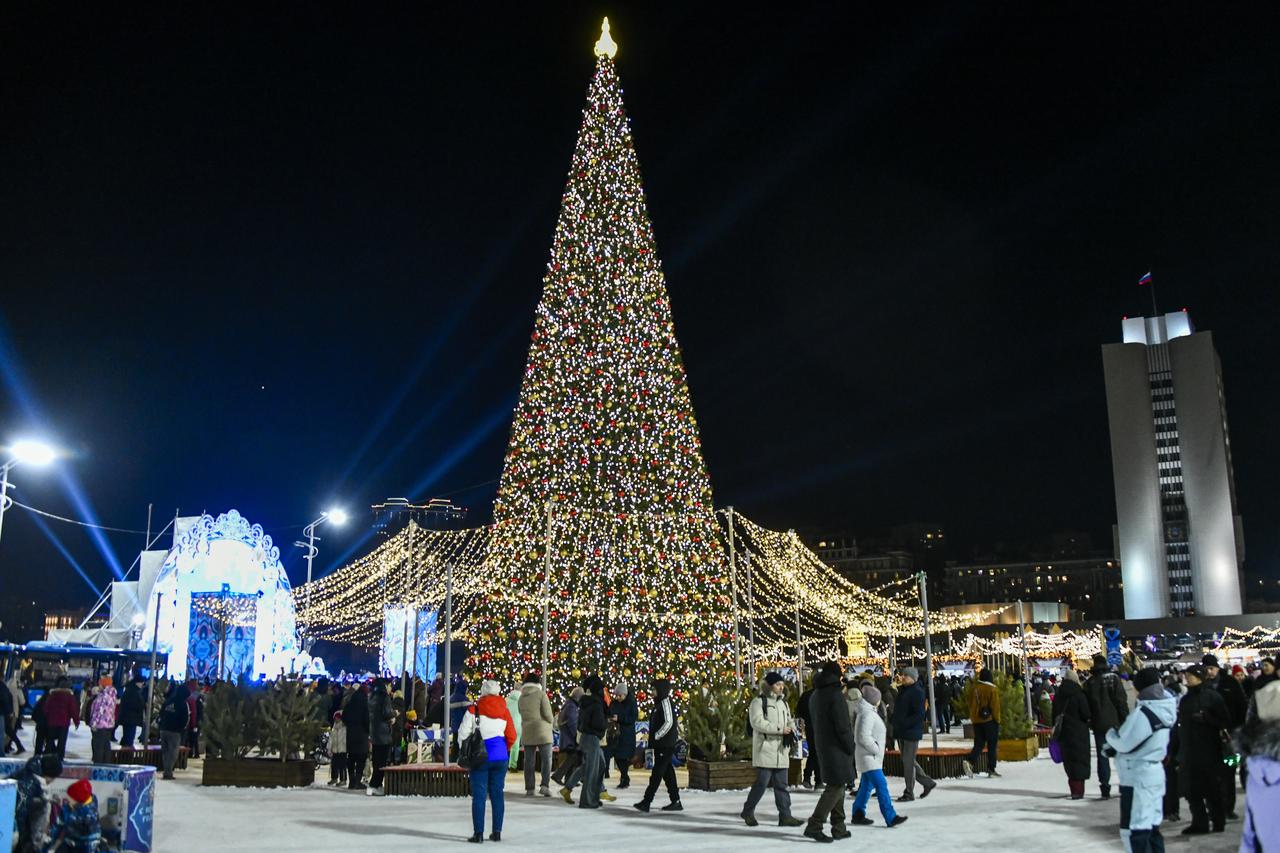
{"points": [[125, 793], [8, 802]]}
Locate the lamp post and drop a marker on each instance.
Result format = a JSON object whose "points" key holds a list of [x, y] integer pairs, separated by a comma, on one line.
{"points": [[24, 453], [336, 516]]}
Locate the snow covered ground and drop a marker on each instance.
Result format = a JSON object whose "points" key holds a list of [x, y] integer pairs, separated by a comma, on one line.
{"points": [[1025, 810]]}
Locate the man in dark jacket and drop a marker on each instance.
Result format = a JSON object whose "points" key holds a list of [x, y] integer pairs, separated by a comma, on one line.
{"points": [[663, 734], [834, 730], [355, 714], [60, 710], [1237, 706], [381, 714], [567, 720], [1202, 716], [812, 773], [942, 697], [172, 723], [1108, 707], [132, 716], [909, 714], [621, 749]]}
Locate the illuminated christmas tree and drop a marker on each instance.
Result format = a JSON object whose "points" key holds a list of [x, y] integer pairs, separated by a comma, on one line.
{"points": [[604, 438]]}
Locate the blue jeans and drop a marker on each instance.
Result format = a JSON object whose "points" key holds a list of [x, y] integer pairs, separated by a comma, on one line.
{"points": [[487, 780], [1104, 766], [874, 779]]}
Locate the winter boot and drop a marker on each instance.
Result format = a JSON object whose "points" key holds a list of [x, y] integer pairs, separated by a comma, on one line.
{"points": [[478, 838], [1106, 792], [839, 833], [816, 833], [673, 806], [860, 819], [495, 836], [968, 769], [544, 791], [749, 819], [790, 821], [607, 797], [642, 806], [567, 794], [927, 789], [898, 821]]}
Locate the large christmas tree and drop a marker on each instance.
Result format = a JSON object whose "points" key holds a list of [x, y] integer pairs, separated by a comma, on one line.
{"points": [[604, 460]]}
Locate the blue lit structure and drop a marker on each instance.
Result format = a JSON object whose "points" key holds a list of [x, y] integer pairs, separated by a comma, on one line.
{"points": [[226, 606]]}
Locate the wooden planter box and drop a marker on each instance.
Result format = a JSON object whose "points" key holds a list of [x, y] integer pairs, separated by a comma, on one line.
{"points": [[720, 775], [426, 780], [942, 763], [1018, 750], [258, 773]]}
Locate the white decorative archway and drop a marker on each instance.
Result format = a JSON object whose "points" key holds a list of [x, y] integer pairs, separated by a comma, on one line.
{"points": [[228, 570]]}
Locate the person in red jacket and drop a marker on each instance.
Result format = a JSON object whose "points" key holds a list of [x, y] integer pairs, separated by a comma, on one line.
{"points": [[488, 776], [60, 710]]}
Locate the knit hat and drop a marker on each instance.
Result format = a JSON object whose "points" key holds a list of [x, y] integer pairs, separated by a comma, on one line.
{"points": [[911, 672], [1210, 660], [620, 689], [50, 766], [575, 694], [80, 791], [1100, 662], [1268, 700], [104, 681], [831, 667], [1072, 676], [1237, 670], [1197, 671], [1145, 678], [411, 714], [772, 678], [490, 688], [870, 694]]}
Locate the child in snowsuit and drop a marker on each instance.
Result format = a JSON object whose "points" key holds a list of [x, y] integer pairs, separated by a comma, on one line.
{"points": [[77, 829]]}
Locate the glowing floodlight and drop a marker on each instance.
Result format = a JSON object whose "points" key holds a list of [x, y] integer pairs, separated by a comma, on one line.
{"points": [[33, 452], [337, 516]]}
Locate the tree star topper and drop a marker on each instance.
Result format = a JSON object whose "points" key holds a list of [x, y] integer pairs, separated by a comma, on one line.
{"points": [[606, 46]]}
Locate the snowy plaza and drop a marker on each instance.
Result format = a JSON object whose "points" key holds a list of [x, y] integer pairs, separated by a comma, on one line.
{"points": [[1026, 809]]}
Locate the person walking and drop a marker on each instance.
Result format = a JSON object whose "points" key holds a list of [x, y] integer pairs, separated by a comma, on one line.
{"points": [[812, 775], [834, 735], [172, 723], [132, 713], [592, 724], [60, 710], [1139, 746], [663, 735], [1071, 721], [491, 717], [1108, 708], [1259, 744], [567, 721], [337, 750], [355, 714], [984, 714], [870, 738], [909, 715], [536, 721], [1202, 717], [102, 720], [772, 733], [381, 716]]}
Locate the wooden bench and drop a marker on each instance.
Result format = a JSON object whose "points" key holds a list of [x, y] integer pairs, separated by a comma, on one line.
{"points": [[147, 756], [426, 780], [941, 763]]}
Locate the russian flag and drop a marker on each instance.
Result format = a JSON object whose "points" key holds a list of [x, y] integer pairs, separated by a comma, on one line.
{"points": [[1145, 280]]}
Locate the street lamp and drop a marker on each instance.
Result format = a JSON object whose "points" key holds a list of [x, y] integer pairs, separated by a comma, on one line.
{"points": [[24, 452], [334, 516]]}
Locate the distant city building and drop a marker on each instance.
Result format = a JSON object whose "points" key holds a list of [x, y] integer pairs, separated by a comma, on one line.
{"points": [[62, 620], [1032, 611], [436, 514], [866, 570], [1179, 534], [1092, 587]]}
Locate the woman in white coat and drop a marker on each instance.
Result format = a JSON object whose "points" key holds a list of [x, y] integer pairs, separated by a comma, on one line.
{"points": [[869, 740]]}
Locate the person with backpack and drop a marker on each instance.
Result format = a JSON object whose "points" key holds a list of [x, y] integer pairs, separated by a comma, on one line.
{"points": [[772, 732], [490, 717], [664, 734], [1108, 708], [1139, 746], [984, 713]]}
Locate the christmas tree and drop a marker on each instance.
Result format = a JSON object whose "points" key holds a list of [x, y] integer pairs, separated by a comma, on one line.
{"points": [[604, 460]]}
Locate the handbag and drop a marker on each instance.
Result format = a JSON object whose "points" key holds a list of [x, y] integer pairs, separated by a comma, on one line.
{"points": [[471, 752], [1055, 747]]}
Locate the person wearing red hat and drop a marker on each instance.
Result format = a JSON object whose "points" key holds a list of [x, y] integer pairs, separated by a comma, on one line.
{"points": [[77, 829]]}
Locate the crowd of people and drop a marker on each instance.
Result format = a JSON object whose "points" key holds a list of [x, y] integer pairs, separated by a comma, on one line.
{"points": [[1172, 736]]}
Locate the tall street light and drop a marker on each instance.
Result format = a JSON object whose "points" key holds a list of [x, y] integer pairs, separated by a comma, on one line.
{"points": [[23, 453], [334, 516]]}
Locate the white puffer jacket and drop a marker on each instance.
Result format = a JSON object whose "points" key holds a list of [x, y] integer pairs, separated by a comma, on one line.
{"points": [[869, 739]]}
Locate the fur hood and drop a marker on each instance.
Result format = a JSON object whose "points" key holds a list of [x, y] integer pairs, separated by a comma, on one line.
{"points": [[1260, 738]]}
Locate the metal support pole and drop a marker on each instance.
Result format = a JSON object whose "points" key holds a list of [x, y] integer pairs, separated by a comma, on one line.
{"points": [[893, 655], [1026, 673], [222, 647], [404, 659], [799, 642], [448, 655], [928, 658], [751, 610], [151, 677], [546, 602], [4, 494], [417, 635], [733, 584]]}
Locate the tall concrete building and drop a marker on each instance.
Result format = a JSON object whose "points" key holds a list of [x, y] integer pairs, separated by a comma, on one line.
{"points": [[1180, 540]]}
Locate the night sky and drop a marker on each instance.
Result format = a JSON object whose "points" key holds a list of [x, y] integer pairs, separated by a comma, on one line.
{"points": [[280, 256]]}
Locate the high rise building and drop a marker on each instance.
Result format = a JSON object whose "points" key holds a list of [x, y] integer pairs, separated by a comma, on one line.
{"points": [[436, 514], [1181, 545]]}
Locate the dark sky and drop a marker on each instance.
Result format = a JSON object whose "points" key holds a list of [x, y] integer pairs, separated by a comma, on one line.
{"points": [[280, 255]]}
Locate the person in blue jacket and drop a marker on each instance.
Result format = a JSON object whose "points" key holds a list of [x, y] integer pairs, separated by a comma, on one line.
{"points": [[1139, 747], [909, 715]]}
